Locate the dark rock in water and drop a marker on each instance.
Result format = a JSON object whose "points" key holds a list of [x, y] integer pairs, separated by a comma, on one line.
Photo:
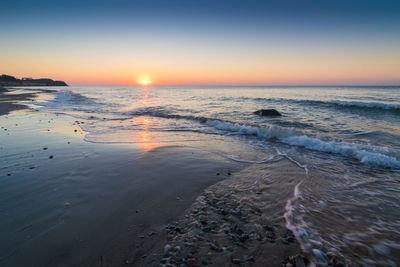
{"points": [[267, 112]]}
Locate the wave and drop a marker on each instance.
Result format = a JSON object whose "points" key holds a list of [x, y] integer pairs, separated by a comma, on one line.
{"points": [[66, 98], [371, 105], [332, 103], [366, 154]]}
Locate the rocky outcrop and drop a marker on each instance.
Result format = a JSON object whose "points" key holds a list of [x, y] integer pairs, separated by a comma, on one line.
{"points": [[267, 112], [7, 80]]}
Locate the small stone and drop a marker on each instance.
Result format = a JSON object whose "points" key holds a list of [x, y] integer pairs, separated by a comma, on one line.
{"points": [[251, 259], [50, 157], [45, 148], [215, 247], [75, 130], [218, 173], [236, 261], [192, 262], [167, 248], [268, 228], [141, 236], [170, 237], [8, 174], [299, 261]]}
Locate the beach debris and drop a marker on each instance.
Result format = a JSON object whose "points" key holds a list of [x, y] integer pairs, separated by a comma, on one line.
{"points": [[267, 112]]}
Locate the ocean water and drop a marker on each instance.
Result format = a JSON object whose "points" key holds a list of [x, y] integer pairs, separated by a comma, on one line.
{"points": [[345, 139]]}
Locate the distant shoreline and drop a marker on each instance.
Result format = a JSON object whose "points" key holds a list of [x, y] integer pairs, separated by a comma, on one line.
{"points": [[7, 80]]}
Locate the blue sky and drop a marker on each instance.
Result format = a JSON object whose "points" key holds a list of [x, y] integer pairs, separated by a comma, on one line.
{"points": [[357, 32]]}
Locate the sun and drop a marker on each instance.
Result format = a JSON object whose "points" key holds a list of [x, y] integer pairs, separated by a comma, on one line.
{"points": [[144, 82]]}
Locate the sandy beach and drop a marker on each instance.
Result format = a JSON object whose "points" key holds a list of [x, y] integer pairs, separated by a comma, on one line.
{"points": [[115, 205], [67, 202], [89, 182]]}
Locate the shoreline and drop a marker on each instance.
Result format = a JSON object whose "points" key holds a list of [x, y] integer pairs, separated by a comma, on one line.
{"points": [[238, 221], [102, 202], [122, 206], [9, 101]]}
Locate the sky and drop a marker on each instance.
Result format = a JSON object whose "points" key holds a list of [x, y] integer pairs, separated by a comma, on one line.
{"points": [[203, 42]]}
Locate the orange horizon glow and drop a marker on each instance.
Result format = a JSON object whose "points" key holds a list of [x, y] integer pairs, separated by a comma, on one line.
{"points": [[370, 74]]}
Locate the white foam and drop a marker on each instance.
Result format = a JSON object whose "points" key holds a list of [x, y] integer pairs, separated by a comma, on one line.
{"points": [[64, 98], [366, 154], [292, 160], [232, 157], [365, 104]]}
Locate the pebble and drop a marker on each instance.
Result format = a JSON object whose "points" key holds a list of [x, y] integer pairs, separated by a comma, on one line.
{"points": [[236, 261], [167, 248], [192, 262], [50, 157]]}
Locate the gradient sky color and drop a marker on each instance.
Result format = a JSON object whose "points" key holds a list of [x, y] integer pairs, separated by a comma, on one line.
{"points": [[204, 42]]}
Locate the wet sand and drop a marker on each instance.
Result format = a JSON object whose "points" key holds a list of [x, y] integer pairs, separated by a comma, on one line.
{"points": [[10, 101], [238, 221], [67, 202]]}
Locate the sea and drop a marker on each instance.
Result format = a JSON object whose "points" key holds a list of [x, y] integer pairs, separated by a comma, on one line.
{"points": [[345, 139]]}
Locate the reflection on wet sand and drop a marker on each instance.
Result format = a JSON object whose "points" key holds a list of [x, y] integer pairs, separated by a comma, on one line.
{"points": [[145, 136]]}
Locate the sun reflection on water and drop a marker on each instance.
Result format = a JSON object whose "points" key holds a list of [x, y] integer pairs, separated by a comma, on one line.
{"points": [[145, 136]]}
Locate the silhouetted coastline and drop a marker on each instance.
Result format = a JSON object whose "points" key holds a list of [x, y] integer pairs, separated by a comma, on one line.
{"points": [[7, 80]]}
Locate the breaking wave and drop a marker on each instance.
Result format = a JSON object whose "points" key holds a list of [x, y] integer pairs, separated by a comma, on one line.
{"points": [[367, 154], [66, 98], [333, 103]]}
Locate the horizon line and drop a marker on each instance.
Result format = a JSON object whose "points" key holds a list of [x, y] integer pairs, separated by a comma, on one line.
{"points": [[247, 85]]}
